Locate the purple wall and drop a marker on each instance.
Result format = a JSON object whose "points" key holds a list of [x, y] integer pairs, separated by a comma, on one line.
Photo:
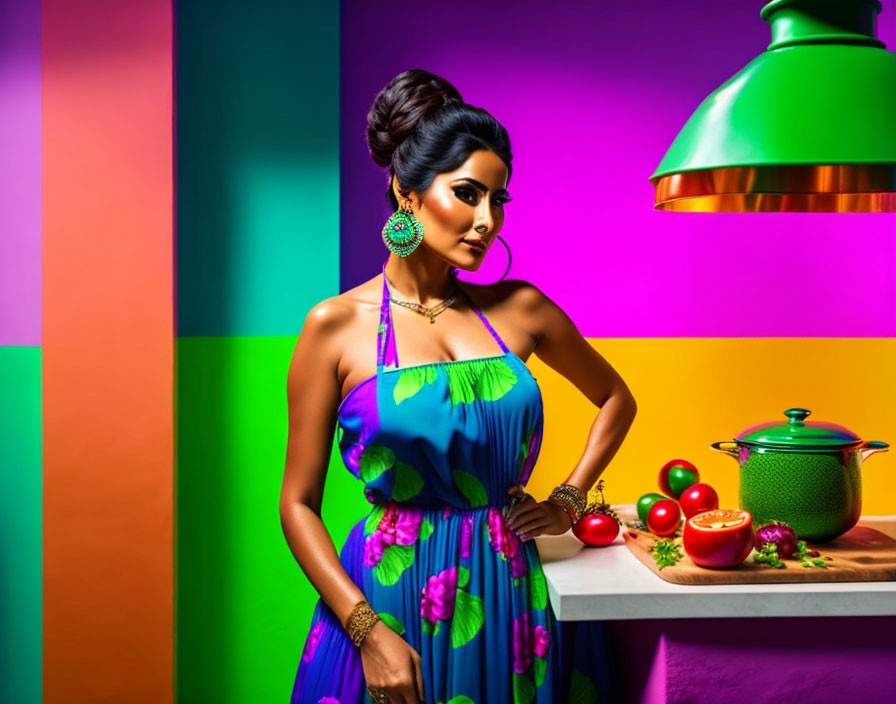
{"points": [[20, 174], [592, 95]]}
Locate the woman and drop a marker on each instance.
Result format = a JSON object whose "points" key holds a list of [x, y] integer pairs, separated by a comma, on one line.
{"points": [[438, 594]]}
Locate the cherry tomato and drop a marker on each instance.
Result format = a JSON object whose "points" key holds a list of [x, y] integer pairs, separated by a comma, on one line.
{"points": [[596, 529], [645, 503], [720, 538], [698, 497], [664, 518], [676, 476]]}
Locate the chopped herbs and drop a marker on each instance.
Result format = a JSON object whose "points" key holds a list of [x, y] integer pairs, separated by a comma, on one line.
{"points": [[666, 552], [809, 558], [769, 555]]}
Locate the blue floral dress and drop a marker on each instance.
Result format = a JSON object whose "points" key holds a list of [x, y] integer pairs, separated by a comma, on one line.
{"points": [[437, 446]]}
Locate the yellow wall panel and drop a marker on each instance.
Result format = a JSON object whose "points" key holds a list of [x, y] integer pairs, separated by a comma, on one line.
{"points": [[692, 392]]}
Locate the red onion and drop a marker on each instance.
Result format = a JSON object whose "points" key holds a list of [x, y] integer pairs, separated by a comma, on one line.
{"points": [[780, 534]]}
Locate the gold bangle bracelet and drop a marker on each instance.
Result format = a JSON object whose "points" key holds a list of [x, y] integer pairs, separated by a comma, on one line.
{"points": [[360, 621], [571, 496]]}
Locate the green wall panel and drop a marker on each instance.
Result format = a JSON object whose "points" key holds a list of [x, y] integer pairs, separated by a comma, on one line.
{"points": [[243, 603], [21, 551]]}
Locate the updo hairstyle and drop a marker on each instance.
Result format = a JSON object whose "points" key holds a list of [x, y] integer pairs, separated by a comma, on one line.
{"points": [[419, 126]]}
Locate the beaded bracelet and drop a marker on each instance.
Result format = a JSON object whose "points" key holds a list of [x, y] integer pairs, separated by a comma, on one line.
{"points": [[571, 499], [360, 621]]}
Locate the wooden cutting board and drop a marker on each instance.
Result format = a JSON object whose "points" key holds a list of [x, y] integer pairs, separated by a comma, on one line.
{"points": [[862, 554]]}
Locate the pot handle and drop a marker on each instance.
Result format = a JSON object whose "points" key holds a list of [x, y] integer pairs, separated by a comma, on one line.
{"points": [[728, 448], [871, 447]]}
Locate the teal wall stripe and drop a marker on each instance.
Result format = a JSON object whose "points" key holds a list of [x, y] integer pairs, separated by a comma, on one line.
{"points": [[257, 245], [257, 164]]}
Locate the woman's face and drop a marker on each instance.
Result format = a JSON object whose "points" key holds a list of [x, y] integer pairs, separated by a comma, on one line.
{"points": [[464, 208]]}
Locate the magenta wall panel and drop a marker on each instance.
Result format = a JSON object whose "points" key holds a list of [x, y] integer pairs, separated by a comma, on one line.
{"points": [[592, 95]]}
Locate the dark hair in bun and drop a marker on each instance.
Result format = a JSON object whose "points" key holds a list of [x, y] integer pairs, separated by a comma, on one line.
{"points": [[419, 126]]}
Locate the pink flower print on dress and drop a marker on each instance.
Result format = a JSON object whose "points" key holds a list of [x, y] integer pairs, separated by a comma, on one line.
{"points": [[542, 641], [517, 565], [522, 643], [502, 539], [407, 525], [437, 598], [328, 700], [313, 640], [448, 511], [398, 526], [373, 549], [466, 536]]}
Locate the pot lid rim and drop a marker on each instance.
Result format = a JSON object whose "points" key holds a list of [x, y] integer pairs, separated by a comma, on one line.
{"points": [[798, 433]]}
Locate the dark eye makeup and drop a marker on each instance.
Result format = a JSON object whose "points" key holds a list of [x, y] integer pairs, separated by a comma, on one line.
{"points": [[464, 193]]}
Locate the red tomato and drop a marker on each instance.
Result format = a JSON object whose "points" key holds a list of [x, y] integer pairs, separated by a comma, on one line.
{"points": [[698, 497], [720, 538], [664, 518], [596, 529], [676, 476]]}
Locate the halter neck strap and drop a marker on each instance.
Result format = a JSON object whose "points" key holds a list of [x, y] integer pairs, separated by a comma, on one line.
{"points": [[387, 354]]}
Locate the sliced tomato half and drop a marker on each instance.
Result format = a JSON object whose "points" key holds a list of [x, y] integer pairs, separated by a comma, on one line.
{"points": [[720, 538]]}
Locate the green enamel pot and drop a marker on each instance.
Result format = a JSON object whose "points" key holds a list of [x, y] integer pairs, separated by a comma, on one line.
{"points": [[807, 474]]}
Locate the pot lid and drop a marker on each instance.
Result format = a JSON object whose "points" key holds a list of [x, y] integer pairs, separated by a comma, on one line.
{"points": [[798, 433]]}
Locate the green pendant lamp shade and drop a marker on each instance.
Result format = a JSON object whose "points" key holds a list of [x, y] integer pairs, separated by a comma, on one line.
{"points": [[807, 126]]}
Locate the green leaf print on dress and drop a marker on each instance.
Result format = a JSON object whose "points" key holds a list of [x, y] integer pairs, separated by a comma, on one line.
{"points": [[392, 622], [485, 379], [411, 380], [373, 518], [469, 615], [375, 460], [426, 529], [390, 548], [525, 444], [538, 589], [582, 689], [443, 599], [408, 482], [540, 666], [468, 379], [470, 487], [395, 560], [523, 689], [495, 379], [458, 699]]}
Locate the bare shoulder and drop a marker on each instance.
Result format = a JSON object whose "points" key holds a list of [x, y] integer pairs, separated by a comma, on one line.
{"points": [[516, 306], [512, 295], [331, 323]]}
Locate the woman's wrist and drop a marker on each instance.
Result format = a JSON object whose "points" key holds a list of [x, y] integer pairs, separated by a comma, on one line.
{"points": [[360, 622], [568, 511], [571, 499]]}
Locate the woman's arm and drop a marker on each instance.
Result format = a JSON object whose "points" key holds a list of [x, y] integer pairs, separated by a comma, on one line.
{"points": [[563, 348], [313, 391], [313, 394]]}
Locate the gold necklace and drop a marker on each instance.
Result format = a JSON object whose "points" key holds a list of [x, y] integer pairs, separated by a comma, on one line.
{"points": [[430, 313]]}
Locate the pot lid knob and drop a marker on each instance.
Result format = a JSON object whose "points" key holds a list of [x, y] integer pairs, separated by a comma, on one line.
{"points": [[797, 415]]}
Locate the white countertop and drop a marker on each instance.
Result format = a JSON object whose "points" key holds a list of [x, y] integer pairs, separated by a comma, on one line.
{"points": [[610, 583]]}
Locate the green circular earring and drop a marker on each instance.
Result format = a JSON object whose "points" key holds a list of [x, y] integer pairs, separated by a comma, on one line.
{"points": [[403, 232]]}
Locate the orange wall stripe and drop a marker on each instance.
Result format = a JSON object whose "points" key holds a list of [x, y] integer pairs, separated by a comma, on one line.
{"points": [[108, 334]]}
